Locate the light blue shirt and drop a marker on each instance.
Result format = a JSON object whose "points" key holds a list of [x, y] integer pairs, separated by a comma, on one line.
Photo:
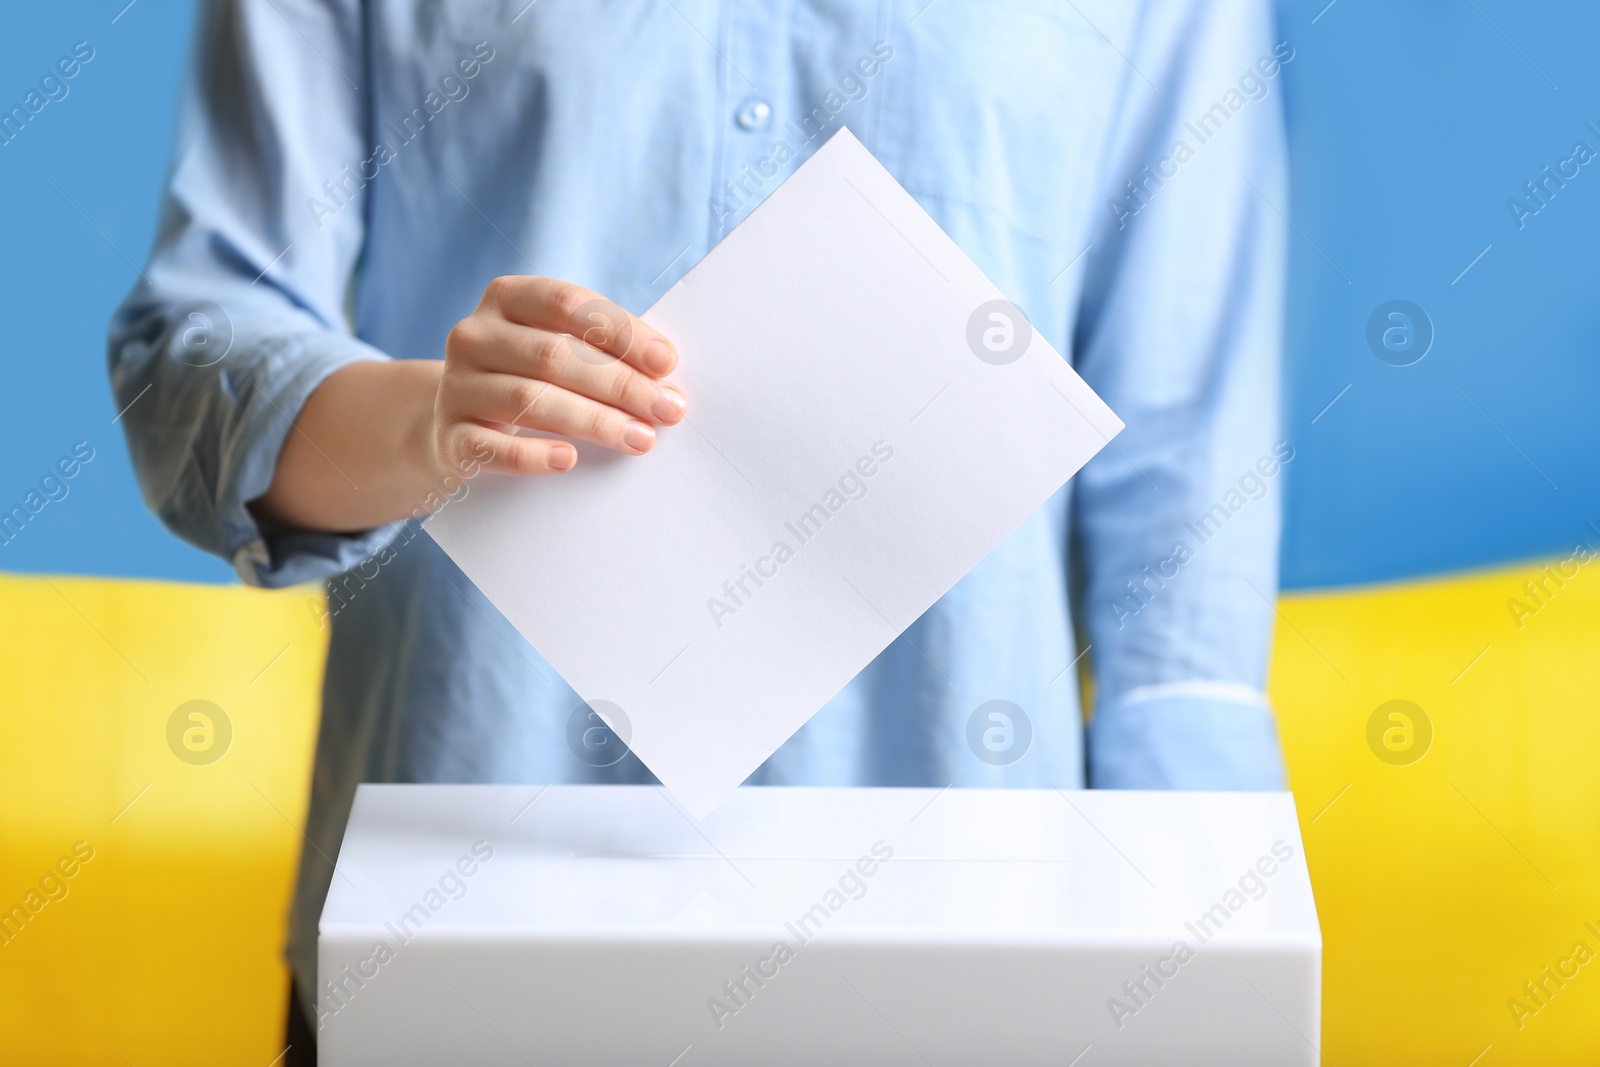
{"points": [[349, 176]]}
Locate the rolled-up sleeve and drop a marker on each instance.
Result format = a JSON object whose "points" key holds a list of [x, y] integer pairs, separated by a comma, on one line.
{"points": [[239, 314], [1176, 526]]}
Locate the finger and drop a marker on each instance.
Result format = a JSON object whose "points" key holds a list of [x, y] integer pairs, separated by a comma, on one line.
{"points": [[507, 400], [603, 325], [540, 355], [510, 454]]}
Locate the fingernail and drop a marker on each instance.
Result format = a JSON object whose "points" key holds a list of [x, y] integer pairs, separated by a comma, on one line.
{"points": [[639, 436], [658, 357], [562, 457], [668, 406]]}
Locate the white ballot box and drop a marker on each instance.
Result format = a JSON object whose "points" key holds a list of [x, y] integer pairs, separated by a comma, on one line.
{"points": [[602, 925]]}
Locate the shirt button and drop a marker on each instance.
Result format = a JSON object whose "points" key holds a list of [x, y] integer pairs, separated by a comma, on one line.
{"points": [[753, 114]]}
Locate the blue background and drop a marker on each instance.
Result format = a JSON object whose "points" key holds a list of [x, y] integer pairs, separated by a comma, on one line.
{"points": [[1483, 452]]}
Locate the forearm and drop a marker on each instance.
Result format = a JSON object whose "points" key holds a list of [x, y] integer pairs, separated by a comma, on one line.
{"points": [[377, 439], [361, 452]]}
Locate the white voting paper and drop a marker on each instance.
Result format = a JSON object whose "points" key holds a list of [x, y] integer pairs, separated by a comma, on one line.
{"points": [[861, 432]]}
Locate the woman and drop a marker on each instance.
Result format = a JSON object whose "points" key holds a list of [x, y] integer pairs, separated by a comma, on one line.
{"points": [[353, 302]]}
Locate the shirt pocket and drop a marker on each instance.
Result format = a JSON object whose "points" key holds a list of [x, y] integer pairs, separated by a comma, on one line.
{"points": [[998, 111]]}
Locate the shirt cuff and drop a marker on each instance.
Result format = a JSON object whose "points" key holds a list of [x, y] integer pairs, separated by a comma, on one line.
{"points": [[1198, 740], [207, 443], [279, 558]]}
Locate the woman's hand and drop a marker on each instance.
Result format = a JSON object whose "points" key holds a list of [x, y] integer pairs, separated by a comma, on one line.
{"points": [[378, 440], [550, 356]]}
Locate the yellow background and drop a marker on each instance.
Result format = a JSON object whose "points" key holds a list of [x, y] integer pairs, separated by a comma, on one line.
{"points": [[1442, 885]]}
